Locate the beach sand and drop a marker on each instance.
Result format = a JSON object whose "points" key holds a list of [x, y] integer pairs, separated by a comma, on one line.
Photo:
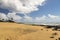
{"points": [[15, 31]]}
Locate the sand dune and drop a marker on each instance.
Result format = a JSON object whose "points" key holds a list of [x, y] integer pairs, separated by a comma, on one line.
{"points": [[14, 31]]}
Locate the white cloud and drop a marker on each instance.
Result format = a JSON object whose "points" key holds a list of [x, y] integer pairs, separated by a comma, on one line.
{"points": [[40, 19], [27, 18], [47, 19], [3, 16], [25, 6], [22, 6], [52, 16], [14, 16]]}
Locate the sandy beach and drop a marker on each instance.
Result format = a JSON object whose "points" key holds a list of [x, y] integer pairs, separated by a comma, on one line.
{"points": [[14, 31]]}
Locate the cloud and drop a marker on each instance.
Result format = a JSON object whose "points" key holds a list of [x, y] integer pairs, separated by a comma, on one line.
{"points": [[22, 6], [40, 19], [14, 16], [52, 16], [3, 16], [27, 18], [47, 19]]}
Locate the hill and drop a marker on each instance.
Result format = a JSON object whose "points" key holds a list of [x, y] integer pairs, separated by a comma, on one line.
{"points": [[14, 31]]}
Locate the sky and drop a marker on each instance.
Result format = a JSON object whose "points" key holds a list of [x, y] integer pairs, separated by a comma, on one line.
{"points": [[50, 7], [35, 11]]}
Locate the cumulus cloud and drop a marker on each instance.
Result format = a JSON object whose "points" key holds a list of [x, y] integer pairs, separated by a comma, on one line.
{"points": [[3, 16], [52, 16], [40, 19], [14, 16], [22, 6], [28, 18], [47, 19], [7, 17]]}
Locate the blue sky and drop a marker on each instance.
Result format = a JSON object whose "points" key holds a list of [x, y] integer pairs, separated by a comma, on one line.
{"points": [[50, 10], [50, 7]]}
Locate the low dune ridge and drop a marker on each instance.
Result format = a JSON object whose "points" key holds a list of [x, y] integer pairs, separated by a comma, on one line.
{"points": [[14, 31]]}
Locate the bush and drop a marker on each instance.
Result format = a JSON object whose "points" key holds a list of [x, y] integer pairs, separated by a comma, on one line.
{"points": [[10, 20]]}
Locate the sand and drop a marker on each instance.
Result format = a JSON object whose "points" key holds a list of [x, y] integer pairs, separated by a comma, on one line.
{"points": [[14, 31]]}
